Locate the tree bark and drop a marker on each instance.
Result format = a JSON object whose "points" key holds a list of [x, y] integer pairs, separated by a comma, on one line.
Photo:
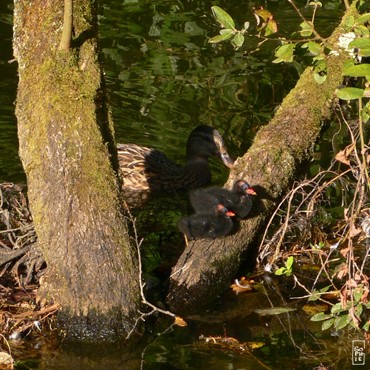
{"points": [[65, 136], [206, 268]]}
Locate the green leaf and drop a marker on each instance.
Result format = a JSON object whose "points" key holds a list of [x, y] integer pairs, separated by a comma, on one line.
{"points": [[327, 324], [219, 38], [361, 30], [320, 79], [284, 53], [238, 40], [341, 322], [320, 316], [320, 71], [358, 70], [365, 114], [306, 29], [337, 308], [350, 21], [357, 293], [364, 52], [349, 93], [363, 18], [246, 26], [361, 43], [314, 297], [280, 271], [289, 262], [313, 47], [223, 18], [315, 3]]}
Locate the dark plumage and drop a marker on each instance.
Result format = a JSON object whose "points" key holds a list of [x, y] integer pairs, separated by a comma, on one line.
{"points": [[210, 225], [239, 199], [146, 169]]}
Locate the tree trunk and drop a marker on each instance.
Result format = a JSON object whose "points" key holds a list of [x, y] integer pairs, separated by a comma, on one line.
{"points": [[206, 268], [65, 136]]}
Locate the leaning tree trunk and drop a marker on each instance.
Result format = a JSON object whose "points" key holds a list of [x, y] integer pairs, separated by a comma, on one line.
{"points": [[206, 268], [65, 132]]}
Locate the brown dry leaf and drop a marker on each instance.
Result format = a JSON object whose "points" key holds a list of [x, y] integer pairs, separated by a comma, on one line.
{"points": [[6, 361], [354, 231], [355, 319], [344, 251], [242, 285], [343, 271], [180, 322], [344, 154], [268, 26], [351, 283]]}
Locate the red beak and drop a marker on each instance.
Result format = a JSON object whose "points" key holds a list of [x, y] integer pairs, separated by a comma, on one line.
{"points": [[230, 213]]}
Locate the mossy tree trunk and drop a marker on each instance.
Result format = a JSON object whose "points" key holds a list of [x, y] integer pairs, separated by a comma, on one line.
{"points": [[207, 268], [65, 139]]}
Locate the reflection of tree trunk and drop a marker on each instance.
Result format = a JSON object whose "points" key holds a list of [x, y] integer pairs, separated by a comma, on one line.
{"points": [[206, 268], [73, 192]]}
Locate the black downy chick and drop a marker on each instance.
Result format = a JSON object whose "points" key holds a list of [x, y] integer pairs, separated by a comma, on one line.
{"points": [[210, 224], [238, 200]]}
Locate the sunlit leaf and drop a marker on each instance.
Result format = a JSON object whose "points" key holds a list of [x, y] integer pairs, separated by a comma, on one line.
{"points": [[238, 40], [361, 43], [306, 29], [281, 271], [289, 262], [343, 155], [271, 27], [222, 17], [361, 30], [315, 3], [337, 308], [222, 37], [349, 93], [246, 26], [364, 52], [263, 13], [179, 321], [365, 113], [242, 285], [284, 53], [268, 24], [363, 18], [358, 70], [314, 48], [350, 21]]}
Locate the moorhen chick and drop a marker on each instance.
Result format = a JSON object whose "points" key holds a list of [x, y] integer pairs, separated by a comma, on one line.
{"points": [[238, 200], [208, 225], [145, 169]]}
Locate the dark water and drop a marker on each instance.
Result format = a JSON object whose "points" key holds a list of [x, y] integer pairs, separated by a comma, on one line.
{"points": [[164, 79]]}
